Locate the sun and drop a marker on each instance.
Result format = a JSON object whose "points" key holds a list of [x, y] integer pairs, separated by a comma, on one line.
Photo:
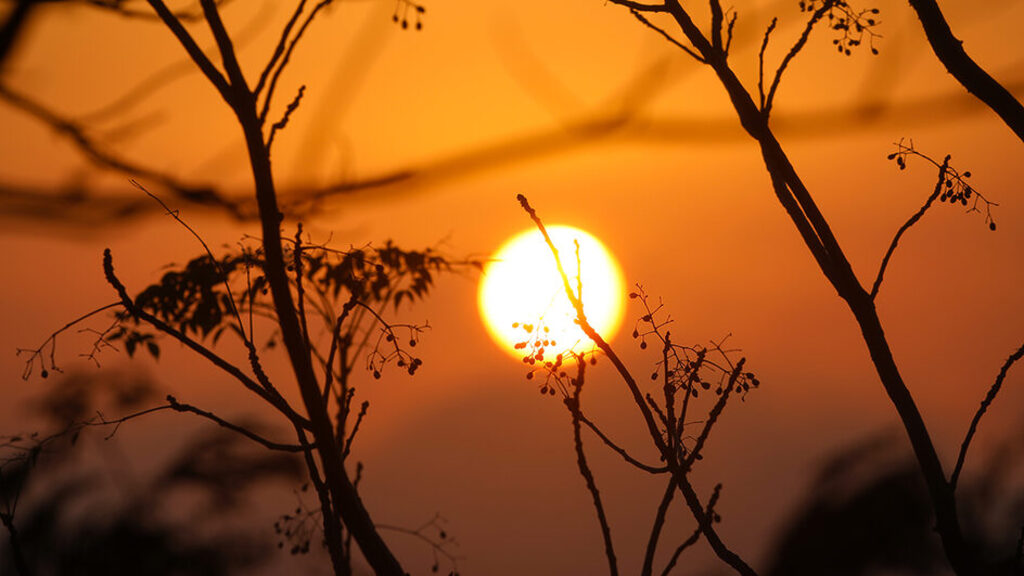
{"points": [[522, 297]]}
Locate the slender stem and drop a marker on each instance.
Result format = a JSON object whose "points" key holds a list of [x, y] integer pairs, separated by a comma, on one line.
{"points": [[573, 404], [659, 523], [906, 226], [989, 398]]}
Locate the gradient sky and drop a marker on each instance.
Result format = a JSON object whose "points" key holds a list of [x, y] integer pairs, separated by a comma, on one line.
{"points": [[483, 100]]}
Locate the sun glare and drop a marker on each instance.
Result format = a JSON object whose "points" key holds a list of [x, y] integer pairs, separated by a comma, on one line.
{"points": [[522, 297]]}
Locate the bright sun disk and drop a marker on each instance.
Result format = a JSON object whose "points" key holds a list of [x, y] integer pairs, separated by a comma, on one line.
{"points": [[522, 296]]}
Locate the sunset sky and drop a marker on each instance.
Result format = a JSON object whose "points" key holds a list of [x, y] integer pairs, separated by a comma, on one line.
{"points": [[604, 126]]}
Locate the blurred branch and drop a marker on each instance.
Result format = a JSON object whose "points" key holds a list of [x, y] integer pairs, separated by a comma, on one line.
{"points": [[94, 152]]}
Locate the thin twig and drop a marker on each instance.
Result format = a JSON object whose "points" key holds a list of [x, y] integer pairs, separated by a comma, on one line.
{"points": [[766, 109], [659, 523], [279, 48], [709, 513], [355, 428], [180, 407], [713, 415], [636, 13], [621, 451], [573, 404], [940, 182], [760, 60], [273, 399], [989, 398], [276, 75]]}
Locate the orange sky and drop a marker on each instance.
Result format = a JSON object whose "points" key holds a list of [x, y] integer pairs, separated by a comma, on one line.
{"points": [[679, 195]]}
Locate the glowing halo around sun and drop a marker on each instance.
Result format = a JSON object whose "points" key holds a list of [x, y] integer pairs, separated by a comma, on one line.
{"points": [[522, 297]]}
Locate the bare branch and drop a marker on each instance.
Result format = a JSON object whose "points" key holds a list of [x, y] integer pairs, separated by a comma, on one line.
{"points": [[985, 403], [355, 428], [636, 13], [940, 182], [279, 48], [760, 60], [269, 395], [766, 109], [641, 7], [678, 473], [659, 523], [710, 513], [716, 411], [280, 124], [180, 407], [573, 404], [619, 450], [276, 75], [189, 44]]}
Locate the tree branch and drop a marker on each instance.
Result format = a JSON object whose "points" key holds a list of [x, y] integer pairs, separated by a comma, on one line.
{"points": [[971, 76], [985, 403], [906, 226]]}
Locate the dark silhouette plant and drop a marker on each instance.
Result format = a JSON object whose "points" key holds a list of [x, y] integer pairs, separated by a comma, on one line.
{"points": [[290, 284], [754, 112], [695, 383]]}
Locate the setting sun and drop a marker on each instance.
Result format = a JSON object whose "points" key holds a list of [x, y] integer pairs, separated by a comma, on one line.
{"points": [[522, 295]]}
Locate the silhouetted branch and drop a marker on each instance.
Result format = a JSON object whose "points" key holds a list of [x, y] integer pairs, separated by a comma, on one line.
{"points": [[280, 124], [636, 13], [906, 226], [439, 546], [695, 453], [760, 61], [985, 403], [693, 538], [951, 53], [659, 523], [573, 404], [51, 340], [279, 48], [678, 473], [711, 515], [826, 6], [641, 7], [180, 407], [355, 428], [189, 44], [270, 396], [619, 450], [831, 259], [285, 58]]}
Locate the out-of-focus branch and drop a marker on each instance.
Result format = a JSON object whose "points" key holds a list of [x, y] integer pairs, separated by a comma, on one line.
{"points": [[94, 152], [14, 27]]}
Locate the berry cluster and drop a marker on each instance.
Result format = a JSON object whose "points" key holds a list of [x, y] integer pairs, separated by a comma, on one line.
{"points": [[852, 25]]}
